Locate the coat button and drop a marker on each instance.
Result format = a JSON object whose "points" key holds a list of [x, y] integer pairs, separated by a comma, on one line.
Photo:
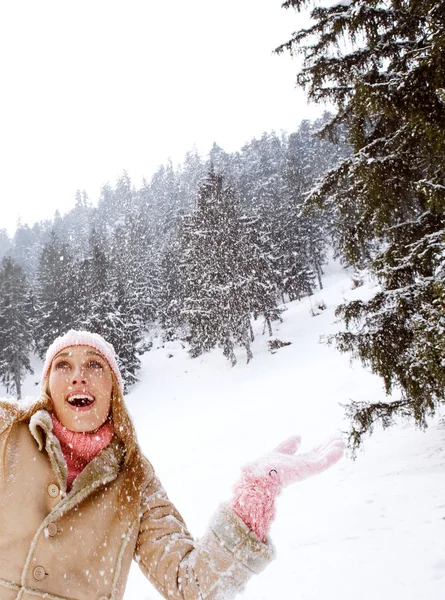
{"points": [[52, 529], [39, 573], [53, 490]]}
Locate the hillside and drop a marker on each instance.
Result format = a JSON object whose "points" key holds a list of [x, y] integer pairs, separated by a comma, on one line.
{"points": [[368, 528]]}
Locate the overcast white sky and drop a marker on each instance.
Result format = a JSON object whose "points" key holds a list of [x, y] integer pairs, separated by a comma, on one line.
{"points": [[92, 87]]}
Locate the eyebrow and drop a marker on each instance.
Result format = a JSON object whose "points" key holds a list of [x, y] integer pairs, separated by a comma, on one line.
{"points": [[89, 352]]}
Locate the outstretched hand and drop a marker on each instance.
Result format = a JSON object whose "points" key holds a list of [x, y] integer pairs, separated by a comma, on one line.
{"points": [[287, 467], [263, 479]]}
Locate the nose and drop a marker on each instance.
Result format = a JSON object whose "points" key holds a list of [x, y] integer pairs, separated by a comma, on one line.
{"points": [[79, 376]]}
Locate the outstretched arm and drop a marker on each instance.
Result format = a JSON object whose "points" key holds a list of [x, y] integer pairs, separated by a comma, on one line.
{"points": [[218, 566], [214, 568]]}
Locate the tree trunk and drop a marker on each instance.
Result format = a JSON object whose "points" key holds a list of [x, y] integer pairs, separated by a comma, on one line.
{"points": [[18, 383], [318, 269]]}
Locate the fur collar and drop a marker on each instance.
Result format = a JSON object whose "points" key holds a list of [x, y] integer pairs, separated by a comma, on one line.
{"points": [[101, 470], [41, 427]]}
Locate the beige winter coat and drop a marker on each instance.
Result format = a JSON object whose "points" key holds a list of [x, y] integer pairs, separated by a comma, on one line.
{"points": [[58, 546]]}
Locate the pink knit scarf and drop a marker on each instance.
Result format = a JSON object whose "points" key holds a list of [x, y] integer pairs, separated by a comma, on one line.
{"points": [[80, 448]]}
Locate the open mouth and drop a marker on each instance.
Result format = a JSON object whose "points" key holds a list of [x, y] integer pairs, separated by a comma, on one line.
{"points": [[80, 401]]}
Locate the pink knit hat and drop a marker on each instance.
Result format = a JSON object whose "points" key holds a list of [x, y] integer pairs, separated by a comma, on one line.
{"points": [[83, 338]]}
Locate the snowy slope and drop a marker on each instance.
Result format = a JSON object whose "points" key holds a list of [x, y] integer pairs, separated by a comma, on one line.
{"points": [[373, 528]]}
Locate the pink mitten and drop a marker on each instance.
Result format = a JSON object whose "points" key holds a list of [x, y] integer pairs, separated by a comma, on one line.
{"points": [[263, 479]]}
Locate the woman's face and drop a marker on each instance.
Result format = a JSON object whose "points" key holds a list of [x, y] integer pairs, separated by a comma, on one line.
{"points": [[80, 385]]}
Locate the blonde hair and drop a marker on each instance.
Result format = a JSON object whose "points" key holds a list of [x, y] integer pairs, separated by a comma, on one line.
{"points": [[135, 464], [134, 467]]}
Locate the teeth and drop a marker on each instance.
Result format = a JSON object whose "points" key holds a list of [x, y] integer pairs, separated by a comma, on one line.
{"points": [[80, 399]]}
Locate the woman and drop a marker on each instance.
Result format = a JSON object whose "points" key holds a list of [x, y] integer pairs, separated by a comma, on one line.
{"points": [[78, 500]]}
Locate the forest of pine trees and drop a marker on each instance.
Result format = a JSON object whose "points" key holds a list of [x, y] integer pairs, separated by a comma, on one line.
{"points": [[199, 250], [203, 248]]}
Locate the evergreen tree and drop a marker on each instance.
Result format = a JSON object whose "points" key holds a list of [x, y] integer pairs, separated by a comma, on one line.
{"points": [[76, 225], [5, 243], [27, 246], [124, 195], [387, 199], [260, 174], [93, 272], [114, 204], [262, 289], [164, 200], [107, 309], [303, 231], [273, 186], [110, 316], [133, 263], [216, 303], [222, 163], [191, 175], [57, 294], [173, 273], [261, 188], [15, 326]]}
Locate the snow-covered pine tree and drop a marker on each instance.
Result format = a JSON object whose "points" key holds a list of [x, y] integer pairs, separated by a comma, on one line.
{"points": [[222, 163], [134, 265], [57, 293], [113, 205], [5, 243], [303, 235], [262, 287], [93, 272], [382, 64], [260, 183], [76, 225], [260, 173], [191, 175], [273, 198], [122, 328], [15, 326], [163, 201], [107, 213], [173, 269], [27, 247], [216, 304], [296, 277], [108, 318], [108, 310]]}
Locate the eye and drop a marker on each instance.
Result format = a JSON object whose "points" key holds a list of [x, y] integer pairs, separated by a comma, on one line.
{"points": [[94, 364], [62, 365]]}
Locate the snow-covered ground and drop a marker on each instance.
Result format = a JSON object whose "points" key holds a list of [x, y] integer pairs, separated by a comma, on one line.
{"points": [[370, 528]]}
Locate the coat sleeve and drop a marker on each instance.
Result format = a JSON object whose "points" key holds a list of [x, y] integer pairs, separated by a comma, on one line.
{"points": [[214, 568]]}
